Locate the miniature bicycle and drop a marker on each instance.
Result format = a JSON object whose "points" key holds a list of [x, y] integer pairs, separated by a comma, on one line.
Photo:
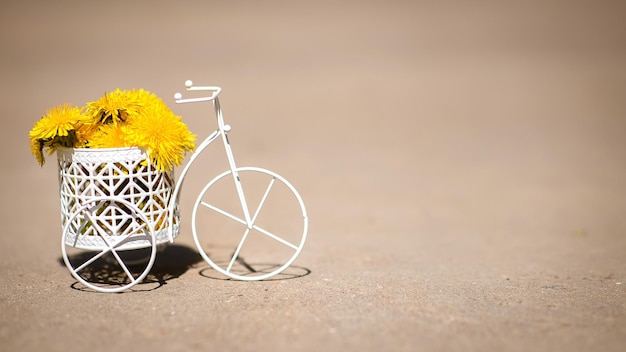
{"points": [[242, 220]]}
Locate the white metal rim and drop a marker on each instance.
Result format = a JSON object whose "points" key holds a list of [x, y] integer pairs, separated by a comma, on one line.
{"points": [[256, 277]]}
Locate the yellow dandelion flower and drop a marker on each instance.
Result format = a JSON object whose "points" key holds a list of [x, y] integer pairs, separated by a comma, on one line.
{"points": [[108, 136], [56, 128], [147, 100], [84, 134], [163, 134], [58, 121], [114, 107]]}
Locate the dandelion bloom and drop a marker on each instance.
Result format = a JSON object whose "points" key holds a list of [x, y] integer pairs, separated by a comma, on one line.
{"points": [[56, 128], [163, 134], [108, 136], [58, 121], [84, 134], [115, 107]]}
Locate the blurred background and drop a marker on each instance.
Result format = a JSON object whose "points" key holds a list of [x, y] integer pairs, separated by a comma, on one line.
{"points": [[392, 117], [425, 136]]}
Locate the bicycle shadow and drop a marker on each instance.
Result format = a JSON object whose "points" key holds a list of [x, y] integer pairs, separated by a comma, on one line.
{"points": [[170, 263], [244, 268]]}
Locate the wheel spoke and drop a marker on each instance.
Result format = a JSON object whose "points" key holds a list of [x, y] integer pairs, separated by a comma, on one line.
{"points": [[274, 237], [236, 254], [225, 213], [119, 260], [81, 228], [267, 192], [93, 259], [258, 210]]}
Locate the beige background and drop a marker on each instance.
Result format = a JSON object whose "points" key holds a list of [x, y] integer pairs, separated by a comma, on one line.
{"points": [[462, 164]]}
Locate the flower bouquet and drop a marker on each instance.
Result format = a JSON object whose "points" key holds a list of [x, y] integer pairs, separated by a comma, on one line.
{"points": [[121, 151]]}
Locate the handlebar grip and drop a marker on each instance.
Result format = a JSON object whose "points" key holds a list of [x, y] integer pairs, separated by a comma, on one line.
{"points": [[190, 87]]}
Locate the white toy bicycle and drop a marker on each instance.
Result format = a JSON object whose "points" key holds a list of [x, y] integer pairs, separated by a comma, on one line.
{"points": [[248, 223]]}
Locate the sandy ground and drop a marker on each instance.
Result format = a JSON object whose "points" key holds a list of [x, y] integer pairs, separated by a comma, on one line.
{"points": [[462, 164]]}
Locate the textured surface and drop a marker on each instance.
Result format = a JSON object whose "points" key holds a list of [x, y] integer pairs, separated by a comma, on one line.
{"points": [[462, 165]]}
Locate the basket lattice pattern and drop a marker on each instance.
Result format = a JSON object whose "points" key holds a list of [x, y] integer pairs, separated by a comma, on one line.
{"points": [[116, 173]]}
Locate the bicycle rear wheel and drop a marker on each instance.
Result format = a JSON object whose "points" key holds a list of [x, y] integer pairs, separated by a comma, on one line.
{"points": [[258, 250], [97, 241]]}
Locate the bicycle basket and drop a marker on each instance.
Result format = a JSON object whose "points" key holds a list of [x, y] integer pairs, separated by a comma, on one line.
{"points": [[109, 174]]}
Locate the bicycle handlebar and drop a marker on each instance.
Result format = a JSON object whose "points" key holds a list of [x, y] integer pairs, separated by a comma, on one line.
{"points": [[189, 85]]}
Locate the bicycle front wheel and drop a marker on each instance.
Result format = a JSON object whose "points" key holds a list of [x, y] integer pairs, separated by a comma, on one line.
{"points": [[253, 247]]}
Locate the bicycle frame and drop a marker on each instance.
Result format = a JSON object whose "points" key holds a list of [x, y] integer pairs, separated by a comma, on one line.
{"points": [[222, 131]]}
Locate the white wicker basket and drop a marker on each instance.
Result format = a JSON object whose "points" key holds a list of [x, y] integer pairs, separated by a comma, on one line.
{"points": [[113, 173]]}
